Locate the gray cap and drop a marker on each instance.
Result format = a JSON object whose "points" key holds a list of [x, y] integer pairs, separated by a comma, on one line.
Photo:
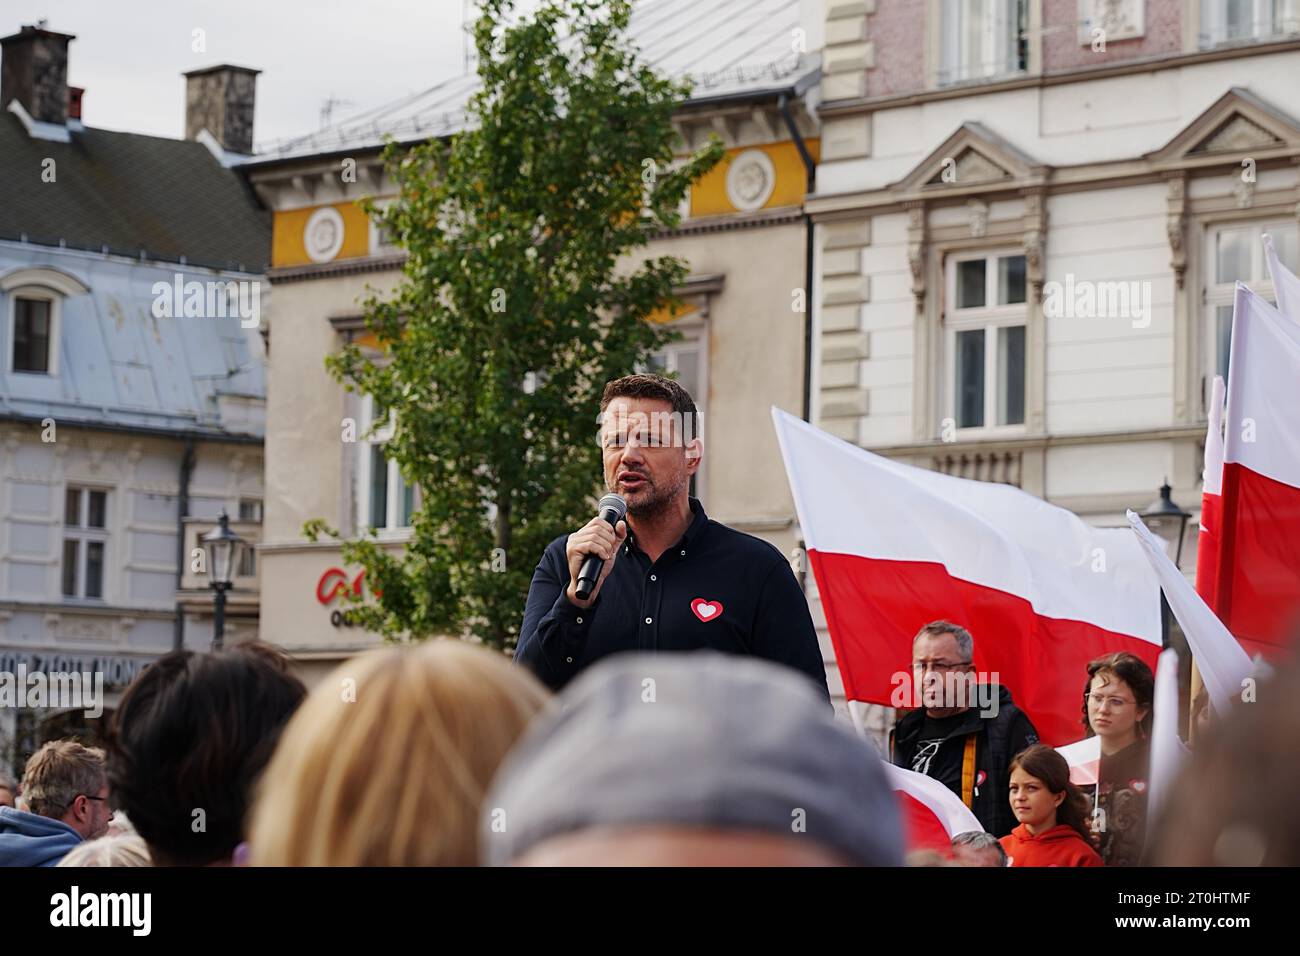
{"points": [[698, 739]]}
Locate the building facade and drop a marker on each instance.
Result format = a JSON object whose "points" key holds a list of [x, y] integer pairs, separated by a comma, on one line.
{"points": [[744, 328], [132, 390], [1030, 217]]}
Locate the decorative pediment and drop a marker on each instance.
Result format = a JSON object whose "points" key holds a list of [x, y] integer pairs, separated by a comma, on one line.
{"points": [[1236, 124], [971, 156]]}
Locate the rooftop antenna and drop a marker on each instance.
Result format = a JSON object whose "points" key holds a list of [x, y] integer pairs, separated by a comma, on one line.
{"points": [[327, 109]]}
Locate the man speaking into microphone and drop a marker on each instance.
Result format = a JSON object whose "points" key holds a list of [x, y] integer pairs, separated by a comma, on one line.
{"points": [[666, 578]]}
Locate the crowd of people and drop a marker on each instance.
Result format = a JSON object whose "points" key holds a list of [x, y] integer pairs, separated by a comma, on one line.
{"points": [[672, 710], [447, 754]]}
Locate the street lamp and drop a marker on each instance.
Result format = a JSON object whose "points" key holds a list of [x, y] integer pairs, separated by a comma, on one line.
{"points": [[223, 548], [1168, 522]]}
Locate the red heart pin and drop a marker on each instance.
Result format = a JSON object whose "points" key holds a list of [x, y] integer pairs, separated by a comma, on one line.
{"points": [[707, 610]]}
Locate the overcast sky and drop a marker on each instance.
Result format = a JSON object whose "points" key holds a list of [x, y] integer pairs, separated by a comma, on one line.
{"points": [[130, 54]]}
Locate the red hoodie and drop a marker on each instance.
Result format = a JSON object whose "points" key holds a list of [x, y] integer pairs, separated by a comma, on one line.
{"points": [[1059, 846]]}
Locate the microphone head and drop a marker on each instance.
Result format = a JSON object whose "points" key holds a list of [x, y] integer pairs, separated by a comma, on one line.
{"points": [[613, 502]]}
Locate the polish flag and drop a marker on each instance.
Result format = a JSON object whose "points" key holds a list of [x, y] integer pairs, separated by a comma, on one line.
{"points": [[894, 547], [1207, 543], [1224, 666], [932, 814], [1084, 758], [1258, 591]]}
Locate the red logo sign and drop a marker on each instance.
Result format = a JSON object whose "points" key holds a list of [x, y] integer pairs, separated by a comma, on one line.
{"points": [[335, 582]]}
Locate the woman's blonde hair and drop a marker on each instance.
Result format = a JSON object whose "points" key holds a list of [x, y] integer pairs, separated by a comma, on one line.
{"points": [[127, 849], [387, 761]]}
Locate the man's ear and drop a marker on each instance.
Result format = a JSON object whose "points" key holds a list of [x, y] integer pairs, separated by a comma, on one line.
{"points": [[694, 455]]}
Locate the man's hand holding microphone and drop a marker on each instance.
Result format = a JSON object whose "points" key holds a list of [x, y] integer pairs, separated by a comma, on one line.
{"points": [[593, 549]]}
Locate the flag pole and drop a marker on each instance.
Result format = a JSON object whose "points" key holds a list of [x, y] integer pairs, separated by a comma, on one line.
{"points": [[1197, 688]]}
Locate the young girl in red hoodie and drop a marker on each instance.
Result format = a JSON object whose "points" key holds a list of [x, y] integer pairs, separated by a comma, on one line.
{"points": [[1052, 813]]}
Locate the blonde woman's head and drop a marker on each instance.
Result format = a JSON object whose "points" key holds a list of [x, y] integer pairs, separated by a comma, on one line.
{"points": [[388, 760], [127, 849]]}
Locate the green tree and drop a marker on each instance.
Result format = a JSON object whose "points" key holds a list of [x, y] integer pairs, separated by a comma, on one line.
{"points": [[515, 307]]}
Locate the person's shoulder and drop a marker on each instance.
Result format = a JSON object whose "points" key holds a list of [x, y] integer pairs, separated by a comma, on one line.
{"points": [[750, 546], [1086, 854]]}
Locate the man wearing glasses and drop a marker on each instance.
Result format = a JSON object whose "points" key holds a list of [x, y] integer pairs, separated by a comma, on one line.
{"points": [[965, 747], [65, 792]]}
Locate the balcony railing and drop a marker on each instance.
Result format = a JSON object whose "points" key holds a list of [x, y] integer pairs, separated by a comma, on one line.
{"points": [[1002, 466]]}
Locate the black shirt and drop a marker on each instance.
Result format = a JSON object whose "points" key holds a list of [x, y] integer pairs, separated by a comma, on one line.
{"points": [[717, 588], [934, 731], [1121, 794]]}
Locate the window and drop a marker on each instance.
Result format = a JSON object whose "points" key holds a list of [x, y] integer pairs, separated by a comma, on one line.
{"points": [[1236, 253], [686, 360], [386, 501], [85, 540], [33, 323], [981, 39], [1245, 21], [250, 509], [985, 335]]}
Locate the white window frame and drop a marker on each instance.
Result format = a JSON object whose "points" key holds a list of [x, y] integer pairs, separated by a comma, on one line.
{"points": [[991, 318], [376, 246], [1222, 293], [389, 527], [84, 534], [998, 39], [1269, 18], [248, 556], [55, 299]]}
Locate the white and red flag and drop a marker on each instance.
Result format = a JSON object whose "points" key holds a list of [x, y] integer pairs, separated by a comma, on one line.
{"points": [[1084, 759], [932, 814], [1257, 595], [894, 547], [1207, 542]]}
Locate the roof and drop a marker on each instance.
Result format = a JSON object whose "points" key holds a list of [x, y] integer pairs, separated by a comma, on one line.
{"points": [[119, 366], [728, 48], [139, 196]]}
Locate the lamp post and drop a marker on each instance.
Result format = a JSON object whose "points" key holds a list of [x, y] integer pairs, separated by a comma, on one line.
{"points": [[1168, 522], [223, 548]]}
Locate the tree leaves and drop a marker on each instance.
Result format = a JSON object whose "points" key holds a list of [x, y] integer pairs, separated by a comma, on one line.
{"points": [[517, 233]]}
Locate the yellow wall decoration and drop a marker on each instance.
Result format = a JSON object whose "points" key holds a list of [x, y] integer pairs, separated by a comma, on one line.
{"points": [[287, 243], [709, 195]]}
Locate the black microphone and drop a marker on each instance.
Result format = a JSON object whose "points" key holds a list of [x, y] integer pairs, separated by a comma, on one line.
{"points": [[612, 508]]}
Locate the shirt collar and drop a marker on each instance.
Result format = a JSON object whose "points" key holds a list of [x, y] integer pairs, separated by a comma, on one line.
{"points": [[694, 530]]}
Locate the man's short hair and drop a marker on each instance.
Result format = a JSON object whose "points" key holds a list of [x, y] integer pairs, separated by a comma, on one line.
{"points": [[192, 733], [58, 773], [658, 388], [965, 643], [979, 840]]}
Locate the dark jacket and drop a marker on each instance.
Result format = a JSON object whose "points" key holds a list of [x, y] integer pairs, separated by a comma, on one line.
{"points": [[997, 739]]}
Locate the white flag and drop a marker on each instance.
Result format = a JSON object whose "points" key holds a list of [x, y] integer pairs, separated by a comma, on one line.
{"points": [[1221, 660]]}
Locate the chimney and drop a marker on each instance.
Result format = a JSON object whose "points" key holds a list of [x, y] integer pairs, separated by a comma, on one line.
{"points": [[34, 71], [75, 93], [220, 100]]}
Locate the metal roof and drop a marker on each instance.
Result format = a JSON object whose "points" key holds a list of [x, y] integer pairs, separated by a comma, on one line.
{"points": [[120, 366], [728, 48]]}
